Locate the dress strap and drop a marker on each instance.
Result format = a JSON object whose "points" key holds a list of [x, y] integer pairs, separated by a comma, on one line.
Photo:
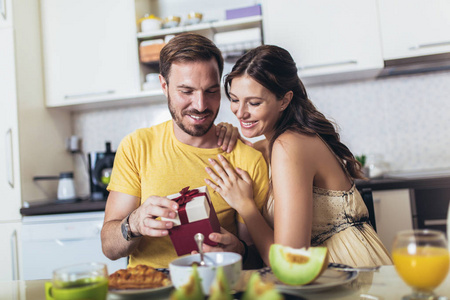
{"points": [[338, 159]]}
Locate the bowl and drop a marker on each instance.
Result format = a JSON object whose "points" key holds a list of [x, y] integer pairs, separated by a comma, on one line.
{"points": [[194, 18], [181, 269], [171, 21], [150, 23]]}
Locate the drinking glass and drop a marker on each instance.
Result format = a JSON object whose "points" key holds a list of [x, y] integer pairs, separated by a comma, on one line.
{"points": [[87, 281], [421, 258]]}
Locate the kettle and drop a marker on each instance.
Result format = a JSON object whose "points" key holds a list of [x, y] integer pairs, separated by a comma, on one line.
{"points": [[66, 186]]}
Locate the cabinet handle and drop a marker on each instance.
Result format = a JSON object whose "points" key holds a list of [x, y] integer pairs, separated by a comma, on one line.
{"points": [[14, 256], [88, 94], [342, 63], [3, 9], [435, 222], [9, 158], [429, 45]]}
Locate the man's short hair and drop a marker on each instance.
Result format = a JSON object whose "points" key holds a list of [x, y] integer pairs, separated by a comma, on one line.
{"points": [[188, 47]]}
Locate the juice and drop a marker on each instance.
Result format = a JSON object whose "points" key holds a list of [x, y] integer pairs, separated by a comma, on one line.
{"points": [[423, 268]]}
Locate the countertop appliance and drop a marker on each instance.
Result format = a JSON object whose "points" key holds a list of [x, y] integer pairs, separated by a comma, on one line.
{"points": [[49, 242], [100, 167]]}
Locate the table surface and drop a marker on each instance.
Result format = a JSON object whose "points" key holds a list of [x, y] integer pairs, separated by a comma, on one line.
{"points": [[382, 284]]}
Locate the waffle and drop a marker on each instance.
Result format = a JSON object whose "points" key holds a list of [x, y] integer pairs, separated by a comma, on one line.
{"points": [[138, 277]]}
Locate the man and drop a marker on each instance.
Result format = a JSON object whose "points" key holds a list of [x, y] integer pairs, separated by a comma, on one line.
{"points": [[154, 162]]}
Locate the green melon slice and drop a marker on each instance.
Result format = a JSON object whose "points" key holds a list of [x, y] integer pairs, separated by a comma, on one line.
{"points": [[297, 266], [192, 290], [257, 289], [220, 289]]}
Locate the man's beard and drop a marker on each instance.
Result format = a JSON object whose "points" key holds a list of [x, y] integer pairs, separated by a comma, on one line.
{"points": [[195, 130]]}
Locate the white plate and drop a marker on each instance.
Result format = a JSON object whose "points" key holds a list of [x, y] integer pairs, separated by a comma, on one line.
{"points": [[329, 279], [142, 292]]}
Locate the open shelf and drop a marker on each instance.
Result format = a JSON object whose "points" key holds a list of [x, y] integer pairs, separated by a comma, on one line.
{"points": [[217, 26]]}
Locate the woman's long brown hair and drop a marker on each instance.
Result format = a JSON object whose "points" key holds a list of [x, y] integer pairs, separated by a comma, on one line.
{"points": [[274, 68]]}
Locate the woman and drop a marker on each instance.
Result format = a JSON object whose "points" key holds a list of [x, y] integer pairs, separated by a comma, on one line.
{"points": [[313, 200]]}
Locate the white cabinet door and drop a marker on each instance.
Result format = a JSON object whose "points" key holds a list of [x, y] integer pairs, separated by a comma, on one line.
{"points": [[414, 27], [9, 251], [392, 213], [89, 49], [5, 13], [9, 154], [326, 36]]}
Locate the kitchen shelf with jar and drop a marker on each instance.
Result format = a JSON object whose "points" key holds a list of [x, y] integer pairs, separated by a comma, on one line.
{"points": [[214, 26]]}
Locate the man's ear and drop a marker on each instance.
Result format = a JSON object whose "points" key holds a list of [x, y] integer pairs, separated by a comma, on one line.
{"points": [[286, 100], [164, 84]]}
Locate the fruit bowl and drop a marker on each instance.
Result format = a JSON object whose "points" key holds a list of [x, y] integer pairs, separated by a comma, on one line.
{"points": [[181, 269]]}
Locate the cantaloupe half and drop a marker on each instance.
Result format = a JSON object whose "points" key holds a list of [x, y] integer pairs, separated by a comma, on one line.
{"points": [[260, 290], [220, 289], [297, 266]]}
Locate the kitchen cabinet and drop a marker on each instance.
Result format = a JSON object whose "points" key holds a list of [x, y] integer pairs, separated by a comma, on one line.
{"points": [[412, 28], [9, 251], [9, 168], [392, 213], [9, 141], [90, 51], [5, 13], [61, 240], [329, 40], [32, 137]]}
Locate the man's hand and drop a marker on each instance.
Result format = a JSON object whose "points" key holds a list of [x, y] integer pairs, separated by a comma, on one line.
{"points": [[144, 219], [228, 136], [227, 242]]}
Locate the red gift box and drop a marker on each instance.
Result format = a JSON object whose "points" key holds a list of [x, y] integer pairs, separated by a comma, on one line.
{"points": [[196, 214]]}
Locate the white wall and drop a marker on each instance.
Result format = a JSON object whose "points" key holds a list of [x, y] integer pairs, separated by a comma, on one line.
{"points": [[405, 119]]}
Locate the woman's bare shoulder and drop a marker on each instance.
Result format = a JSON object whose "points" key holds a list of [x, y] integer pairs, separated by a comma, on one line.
{"points": [[261, 145], [291, 140]]}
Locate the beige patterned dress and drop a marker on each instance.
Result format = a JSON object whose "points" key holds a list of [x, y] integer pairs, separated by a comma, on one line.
{"points": [[340, 222]]}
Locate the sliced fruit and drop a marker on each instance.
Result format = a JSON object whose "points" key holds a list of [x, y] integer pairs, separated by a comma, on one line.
{"points": [[297, 266], [257, 289], [220, 289], [192, 290]]}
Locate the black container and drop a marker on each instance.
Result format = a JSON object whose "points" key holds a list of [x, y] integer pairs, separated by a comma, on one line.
{"points": [[100, 167]]}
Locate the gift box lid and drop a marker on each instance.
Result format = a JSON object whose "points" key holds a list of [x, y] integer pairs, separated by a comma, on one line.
{"points": [[198, 208]]}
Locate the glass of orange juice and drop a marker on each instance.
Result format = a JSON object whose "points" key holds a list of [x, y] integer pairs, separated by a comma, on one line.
{"points": [[421, 258]]}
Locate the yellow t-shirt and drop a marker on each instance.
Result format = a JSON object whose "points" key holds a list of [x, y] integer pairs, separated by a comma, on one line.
{"points": [[151, 161]]}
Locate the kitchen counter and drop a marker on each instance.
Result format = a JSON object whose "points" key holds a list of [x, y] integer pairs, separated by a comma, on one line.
{"points": [[397, 181], [62, 207], [387, 182]]}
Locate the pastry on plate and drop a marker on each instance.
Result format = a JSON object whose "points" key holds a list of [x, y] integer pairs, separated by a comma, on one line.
{"points": [[138, 277]]}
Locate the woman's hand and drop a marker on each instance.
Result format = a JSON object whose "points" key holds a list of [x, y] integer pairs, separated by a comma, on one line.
{"points": [[235, 186], [226, 242], [228, 136]]}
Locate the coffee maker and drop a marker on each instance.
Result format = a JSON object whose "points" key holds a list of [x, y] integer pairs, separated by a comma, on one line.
{"points": [[100, 167]]}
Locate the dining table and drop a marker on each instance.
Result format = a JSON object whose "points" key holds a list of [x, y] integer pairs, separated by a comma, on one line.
{"points": [[381, 284]]}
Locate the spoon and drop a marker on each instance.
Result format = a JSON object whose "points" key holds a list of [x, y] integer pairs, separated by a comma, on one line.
{"points": [[199, 238]]}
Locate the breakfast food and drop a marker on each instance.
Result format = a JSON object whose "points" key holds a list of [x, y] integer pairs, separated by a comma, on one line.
{"points": [[192, 290], [138, 277], [258, 289], [297, 266]]}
